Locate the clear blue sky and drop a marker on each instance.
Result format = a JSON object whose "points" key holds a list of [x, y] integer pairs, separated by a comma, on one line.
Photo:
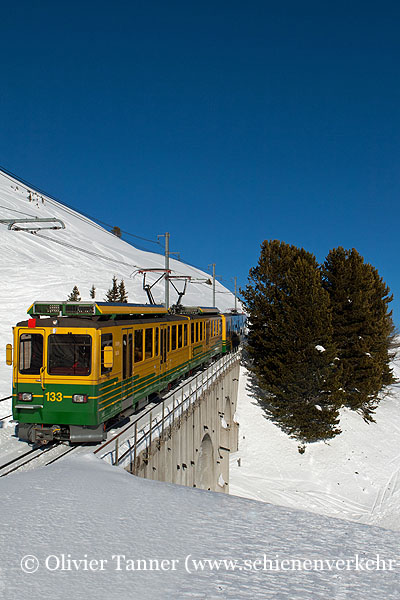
{"points": [[222, 122]]}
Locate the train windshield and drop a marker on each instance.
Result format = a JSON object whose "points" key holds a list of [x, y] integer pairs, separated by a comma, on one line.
{"points": [[30, 353], [69, 354]]}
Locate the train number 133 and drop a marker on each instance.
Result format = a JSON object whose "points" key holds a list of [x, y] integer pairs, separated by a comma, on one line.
{"points": [[54, 396]]}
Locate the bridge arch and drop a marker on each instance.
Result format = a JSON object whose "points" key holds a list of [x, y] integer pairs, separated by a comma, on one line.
{"points": [[228, 412], [205, 468]]}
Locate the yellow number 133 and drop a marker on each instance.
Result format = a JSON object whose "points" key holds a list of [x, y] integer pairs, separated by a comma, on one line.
{"points": [[54, 396]]}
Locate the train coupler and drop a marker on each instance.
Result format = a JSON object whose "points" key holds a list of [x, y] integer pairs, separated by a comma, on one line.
{"points": [[37, 434]]}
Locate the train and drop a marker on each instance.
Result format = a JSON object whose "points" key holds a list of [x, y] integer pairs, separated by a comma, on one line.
{"points": [[77, 366]]}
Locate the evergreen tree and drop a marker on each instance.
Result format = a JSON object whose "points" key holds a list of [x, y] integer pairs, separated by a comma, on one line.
{"points": [[112, 294], [123, 296], [92, 292], [290, 341], [74, 295], [363, 329]]}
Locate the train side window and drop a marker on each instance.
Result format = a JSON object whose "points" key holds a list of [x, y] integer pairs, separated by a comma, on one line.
{"points": [[197, 331], [157, 341], [180, 338], [192, 332], [173, 337], [138, 345], [185, 336], [148, 343], [169, 339]]}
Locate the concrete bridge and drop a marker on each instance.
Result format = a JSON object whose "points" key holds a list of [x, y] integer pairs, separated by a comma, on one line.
{"points": [[187, 438]]}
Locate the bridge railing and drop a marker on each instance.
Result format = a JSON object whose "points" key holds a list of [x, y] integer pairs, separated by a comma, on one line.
{"points": [[146, 429]]}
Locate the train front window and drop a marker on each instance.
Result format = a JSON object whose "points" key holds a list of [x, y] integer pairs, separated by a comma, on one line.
{"points": [[70, 354], [30, 353]]}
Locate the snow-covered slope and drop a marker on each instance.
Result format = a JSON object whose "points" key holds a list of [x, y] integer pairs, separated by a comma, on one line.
{"points": [[48, 264], [354, 476], [60, 521]]}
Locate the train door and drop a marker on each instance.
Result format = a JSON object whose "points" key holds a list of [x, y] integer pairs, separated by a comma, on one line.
{"points": [[207, 333], [31, 356], [164, 343], [127, 353]]}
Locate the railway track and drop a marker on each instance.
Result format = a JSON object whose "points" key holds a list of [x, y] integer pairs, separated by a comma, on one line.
{"points": [[18, 462], [21, 460]]}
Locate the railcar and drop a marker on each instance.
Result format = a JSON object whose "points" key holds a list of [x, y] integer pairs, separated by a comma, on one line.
{"points": [[233, 330], [77, 365]]}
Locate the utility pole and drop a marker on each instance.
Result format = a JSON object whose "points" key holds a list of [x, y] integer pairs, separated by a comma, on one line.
{"points": [[166, 270], [166, 235], [213, 282]]}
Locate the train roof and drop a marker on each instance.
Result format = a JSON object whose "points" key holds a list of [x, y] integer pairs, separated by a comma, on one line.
{"points": [[80, 309], [97, 314], [99, 322]]}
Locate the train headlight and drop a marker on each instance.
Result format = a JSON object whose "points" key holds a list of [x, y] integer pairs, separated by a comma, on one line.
{"points": [[79, 398], [25, 397]]}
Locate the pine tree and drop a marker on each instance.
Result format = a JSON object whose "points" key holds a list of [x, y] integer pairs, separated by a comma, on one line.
{"points": [[112, 294], [74, 295], [363, 328], [290, 341], [92, 292], [123, 296]]}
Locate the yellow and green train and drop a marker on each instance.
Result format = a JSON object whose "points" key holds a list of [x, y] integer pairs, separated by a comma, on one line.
{"points": [[77, 365]]}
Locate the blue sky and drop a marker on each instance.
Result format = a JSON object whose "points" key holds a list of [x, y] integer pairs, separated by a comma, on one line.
{"points": [[224, 123]]}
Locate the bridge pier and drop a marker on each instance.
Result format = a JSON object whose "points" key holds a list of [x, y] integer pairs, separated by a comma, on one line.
{"points": [[192, 448]]}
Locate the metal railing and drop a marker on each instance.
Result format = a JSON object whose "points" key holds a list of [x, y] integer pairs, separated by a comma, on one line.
{"points": [[139, 435]]}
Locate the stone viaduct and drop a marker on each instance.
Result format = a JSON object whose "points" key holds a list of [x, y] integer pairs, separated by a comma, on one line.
{"points": [[190, 441]]}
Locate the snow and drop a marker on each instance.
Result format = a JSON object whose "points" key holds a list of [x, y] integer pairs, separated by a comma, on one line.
{"points": [[224, 424], [320, 348], [354, 476], [82, 528], [81, 510]]}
